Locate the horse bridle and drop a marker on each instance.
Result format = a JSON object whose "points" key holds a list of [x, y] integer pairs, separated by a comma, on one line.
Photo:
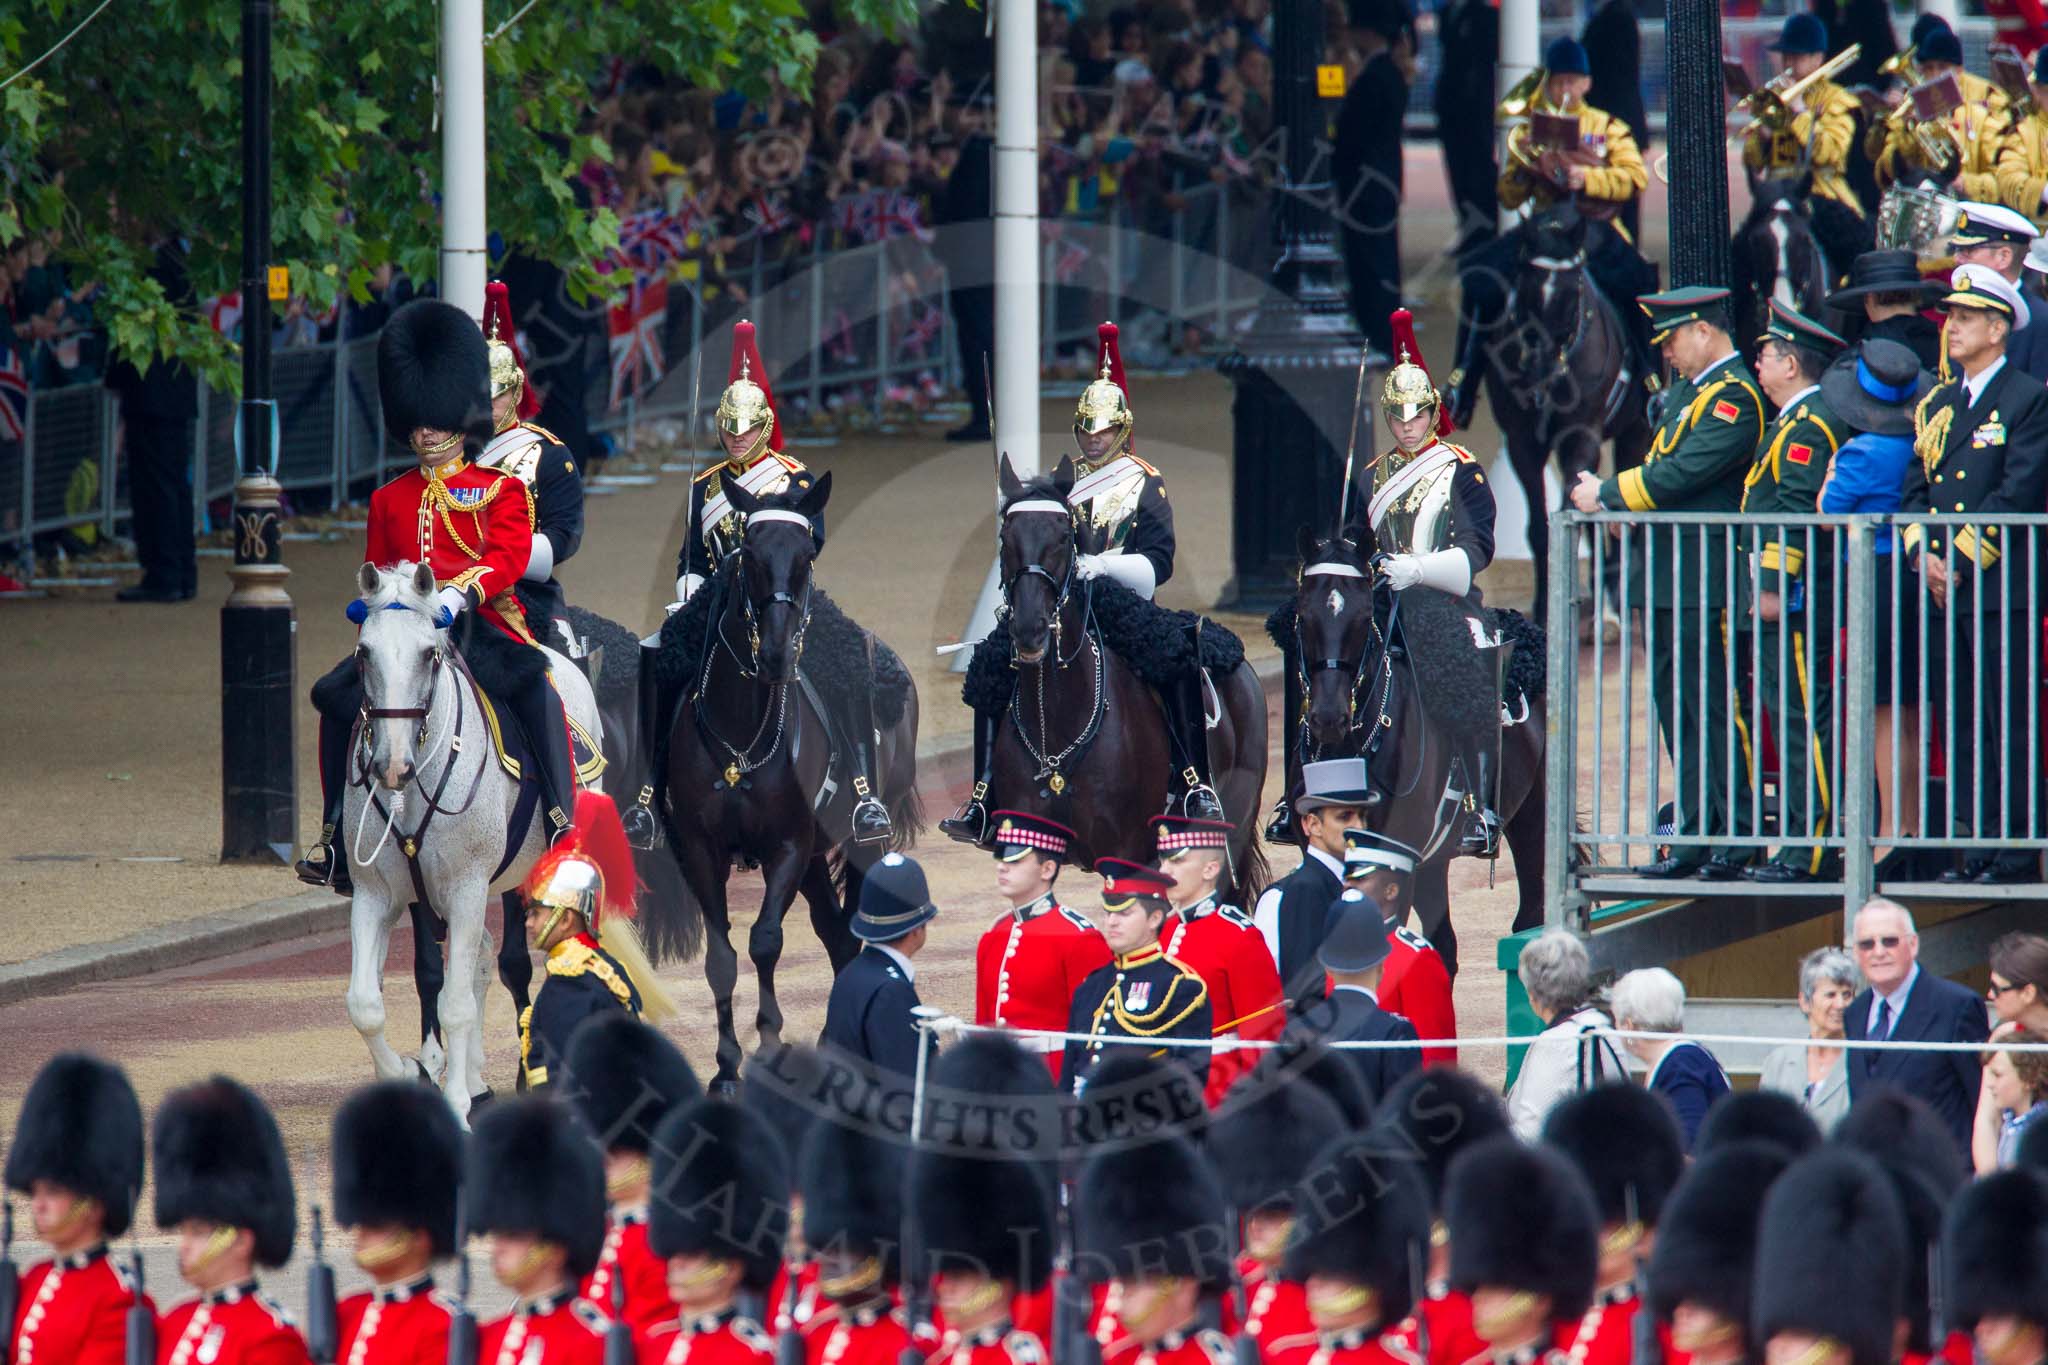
{"points": [[1308, 668], [1062, 587], [751, 667], [418, 713]]}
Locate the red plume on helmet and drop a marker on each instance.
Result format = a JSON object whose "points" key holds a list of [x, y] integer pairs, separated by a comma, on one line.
{"points": [[498, 322], [1107, 351], [744, 349], [596, 837], [1403, 323]]}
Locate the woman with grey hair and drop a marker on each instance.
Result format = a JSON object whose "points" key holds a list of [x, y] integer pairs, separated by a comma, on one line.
{"points": [[1568, 1056], [1652, 1000], [1818, 1077]]}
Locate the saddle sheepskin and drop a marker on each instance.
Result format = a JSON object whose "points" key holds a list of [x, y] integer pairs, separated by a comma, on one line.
{"points": [[1156, 642]]}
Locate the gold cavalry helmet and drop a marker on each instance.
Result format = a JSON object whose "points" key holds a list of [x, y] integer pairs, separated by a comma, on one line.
{"points": [[507, 375], [1407, 392], [745, 404], [1102, 406]]}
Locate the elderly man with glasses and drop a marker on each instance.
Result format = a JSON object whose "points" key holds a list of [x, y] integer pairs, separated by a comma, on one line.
{"points": [[1903, 1003]]}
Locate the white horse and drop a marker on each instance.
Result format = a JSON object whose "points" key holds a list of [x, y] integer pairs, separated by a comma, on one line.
{"points": [[425, 756]]}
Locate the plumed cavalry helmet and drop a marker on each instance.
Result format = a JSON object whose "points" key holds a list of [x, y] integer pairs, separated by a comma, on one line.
{"points": [[507, 374], [590, 870], [1105, 404], [1407, 392], [746, 402]]}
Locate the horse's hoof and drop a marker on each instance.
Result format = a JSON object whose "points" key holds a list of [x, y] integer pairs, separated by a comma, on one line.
{"points": [[481, 1098], [724, 1088]]}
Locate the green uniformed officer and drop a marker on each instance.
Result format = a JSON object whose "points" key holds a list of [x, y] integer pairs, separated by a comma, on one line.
{"points": [[1790, 595], [1713, 420]]}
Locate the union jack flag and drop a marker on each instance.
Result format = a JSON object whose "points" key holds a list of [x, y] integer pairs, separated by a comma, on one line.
{"points": [[636, 327], [652, 239], [855, 216], [13, 396], [769, 215], [922, 331], [898, 215]]}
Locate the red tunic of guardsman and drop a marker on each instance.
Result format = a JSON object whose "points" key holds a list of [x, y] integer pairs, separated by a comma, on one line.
{"points": [[1030, 962], [395, 1324], [1276, 1312], [550, 1329], [1220, 944], [726, 1338], [998, 1344], [220, 1166], [872, 1334], [474, 526], [642, 1274], [78, 1151]]}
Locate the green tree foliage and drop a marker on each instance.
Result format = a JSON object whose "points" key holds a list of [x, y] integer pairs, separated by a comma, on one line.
{"points": [[133, 131]]}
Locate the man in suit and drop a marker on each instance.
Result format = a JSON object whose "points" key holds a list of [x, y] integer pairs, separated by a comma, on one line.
{"points": [[1291, 912], [1354, 955], [1982, 439], [1996, 237], [1904, 1003], [868, 1015]]}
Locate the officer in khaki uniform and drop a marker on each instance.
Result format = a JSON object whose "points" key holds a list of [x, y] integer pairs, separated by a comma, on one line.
{"points": [[1818, 138], [1789, 595], [2023, 160], [1713, 422], [1975, 130], [1982, 443]]}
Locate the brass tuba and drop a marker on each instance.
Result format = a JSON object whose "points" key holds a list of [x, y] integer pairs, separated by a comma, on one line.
{"points": [[1902, 65], [1512, 113]]}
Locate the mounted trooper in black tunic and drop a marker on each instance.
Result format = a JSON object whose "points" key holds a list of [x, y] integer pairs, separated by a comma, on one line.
{"points": [[755, 463], [1123, 528], [537, 459]]}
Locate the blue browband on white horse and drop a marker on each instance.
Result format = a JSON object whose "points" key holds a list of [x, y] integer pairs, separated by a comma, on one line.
{"points": [[358, 611]]}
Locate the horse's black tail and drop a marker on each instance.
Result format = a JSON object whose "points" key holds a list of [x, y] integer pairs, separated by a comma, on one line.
{"points": [[906, 818], [671, 922], [1251, 869]]}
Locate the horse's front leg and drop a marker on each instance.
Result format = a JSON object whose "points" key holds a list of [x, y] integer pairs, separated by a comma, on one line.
{"points": [[515, 959], [461, 1009], [705, 875], [780, 877], [371, 917]]}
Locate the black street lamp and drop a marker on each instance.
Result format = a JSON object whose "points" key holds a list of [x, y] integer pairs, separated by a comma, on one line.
{"points": [[1697, 131], [258, 631], [1296, 364]]}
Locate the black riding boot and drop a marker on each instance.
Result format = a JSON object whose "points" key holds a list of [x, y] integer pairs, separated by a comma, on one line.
{"points": [[643, 829], [1482, 824], [322, 865], [970, 824], [539, 712], [1186, 717]]}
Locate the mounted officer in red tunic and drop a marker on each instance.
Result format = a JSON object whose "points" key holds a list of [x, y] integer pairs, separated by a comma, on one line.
{"points": [[474, 526]]}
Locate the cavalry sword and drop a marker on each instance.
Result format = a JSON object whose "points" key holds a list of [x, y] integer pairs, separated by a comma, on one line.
{"points": [[1351, 443]]}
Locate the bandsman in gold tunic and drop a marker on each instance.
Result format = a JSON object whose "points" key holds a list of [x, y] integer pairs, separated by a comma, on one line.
{"points": [[1967, 140], [2023, 160], [1817, 139]]}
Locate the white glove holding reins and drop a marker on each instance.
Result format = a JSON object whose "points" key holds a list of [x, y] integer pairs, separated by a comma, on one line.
{"points": [[1133, 571], [1447, 571]]}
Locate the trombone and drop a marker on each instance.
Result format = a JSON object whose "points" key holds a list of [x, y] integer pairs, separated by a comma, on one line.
{"points": [[1770, 105]]}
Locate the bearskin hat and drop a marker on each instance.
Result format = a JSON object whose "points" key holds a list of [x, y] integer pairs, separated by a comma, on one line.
{"points": [[398, 1161], [1130, 1097], [1500, 1189], [1307, 1058], [1362, 1218], [1830, 1255], [624, 1077], [1918, 1154], [220, 1158], [983, 1212], [434, 370], [1761, 1115], [1434, 1114], [1153, 1209], [1995, 1250], [777, 1084], [1706, 1240], [534, 1169], [1265, 1136], [1625, 1141], [852, 1185], [1014, 1091], [721, 1189], [81, 1127]]}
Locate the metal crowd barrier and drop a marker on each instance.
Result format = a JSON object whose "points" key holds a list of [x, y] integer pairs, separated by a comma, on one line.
{"points": [[1926, 738]]}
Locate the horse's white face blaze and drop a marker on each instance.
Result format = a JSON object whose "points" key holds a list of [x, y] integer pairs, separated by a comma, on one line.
{"points": [[1781, 242], [1335, 602]]}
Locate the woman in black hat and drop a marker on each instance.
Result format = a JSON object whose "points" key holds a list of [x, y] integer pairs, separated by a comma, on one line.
{"points": [[1874, 391], [1886, 293]]}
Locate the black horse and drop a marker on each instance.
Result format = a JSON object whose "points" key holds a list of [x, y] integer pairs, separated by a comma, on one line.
{"points": [[1084, 739], [1560, 375], [1364, 696], [1776, 255], [747, 763]]}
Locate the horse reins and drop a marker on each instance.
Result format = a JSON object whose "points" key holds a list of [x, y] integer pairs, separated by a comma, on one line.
{"points": [[741, 760], [1049, 764], [1357, 669]]}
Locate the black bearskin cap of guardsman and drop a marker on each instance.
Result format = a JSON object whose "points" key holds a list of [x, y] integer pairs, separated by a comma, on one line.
{"points": [[1432, 1115], [1706, 1240], [779, 1085], [1916, 1151], [624, 1077], [398, 1161], [1152, 1209], [1994, 1251], [720, 1189], [1831, 1256], [975, 1210], [1758, 1116], [1130, 1097], [81, 1128], [992, 1074], [852, 1183], [434, 370], [535, 1171], [1362, 1216], [1521, 1217], [1625, 1141], [1265, 1135], [220, 1159]]}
